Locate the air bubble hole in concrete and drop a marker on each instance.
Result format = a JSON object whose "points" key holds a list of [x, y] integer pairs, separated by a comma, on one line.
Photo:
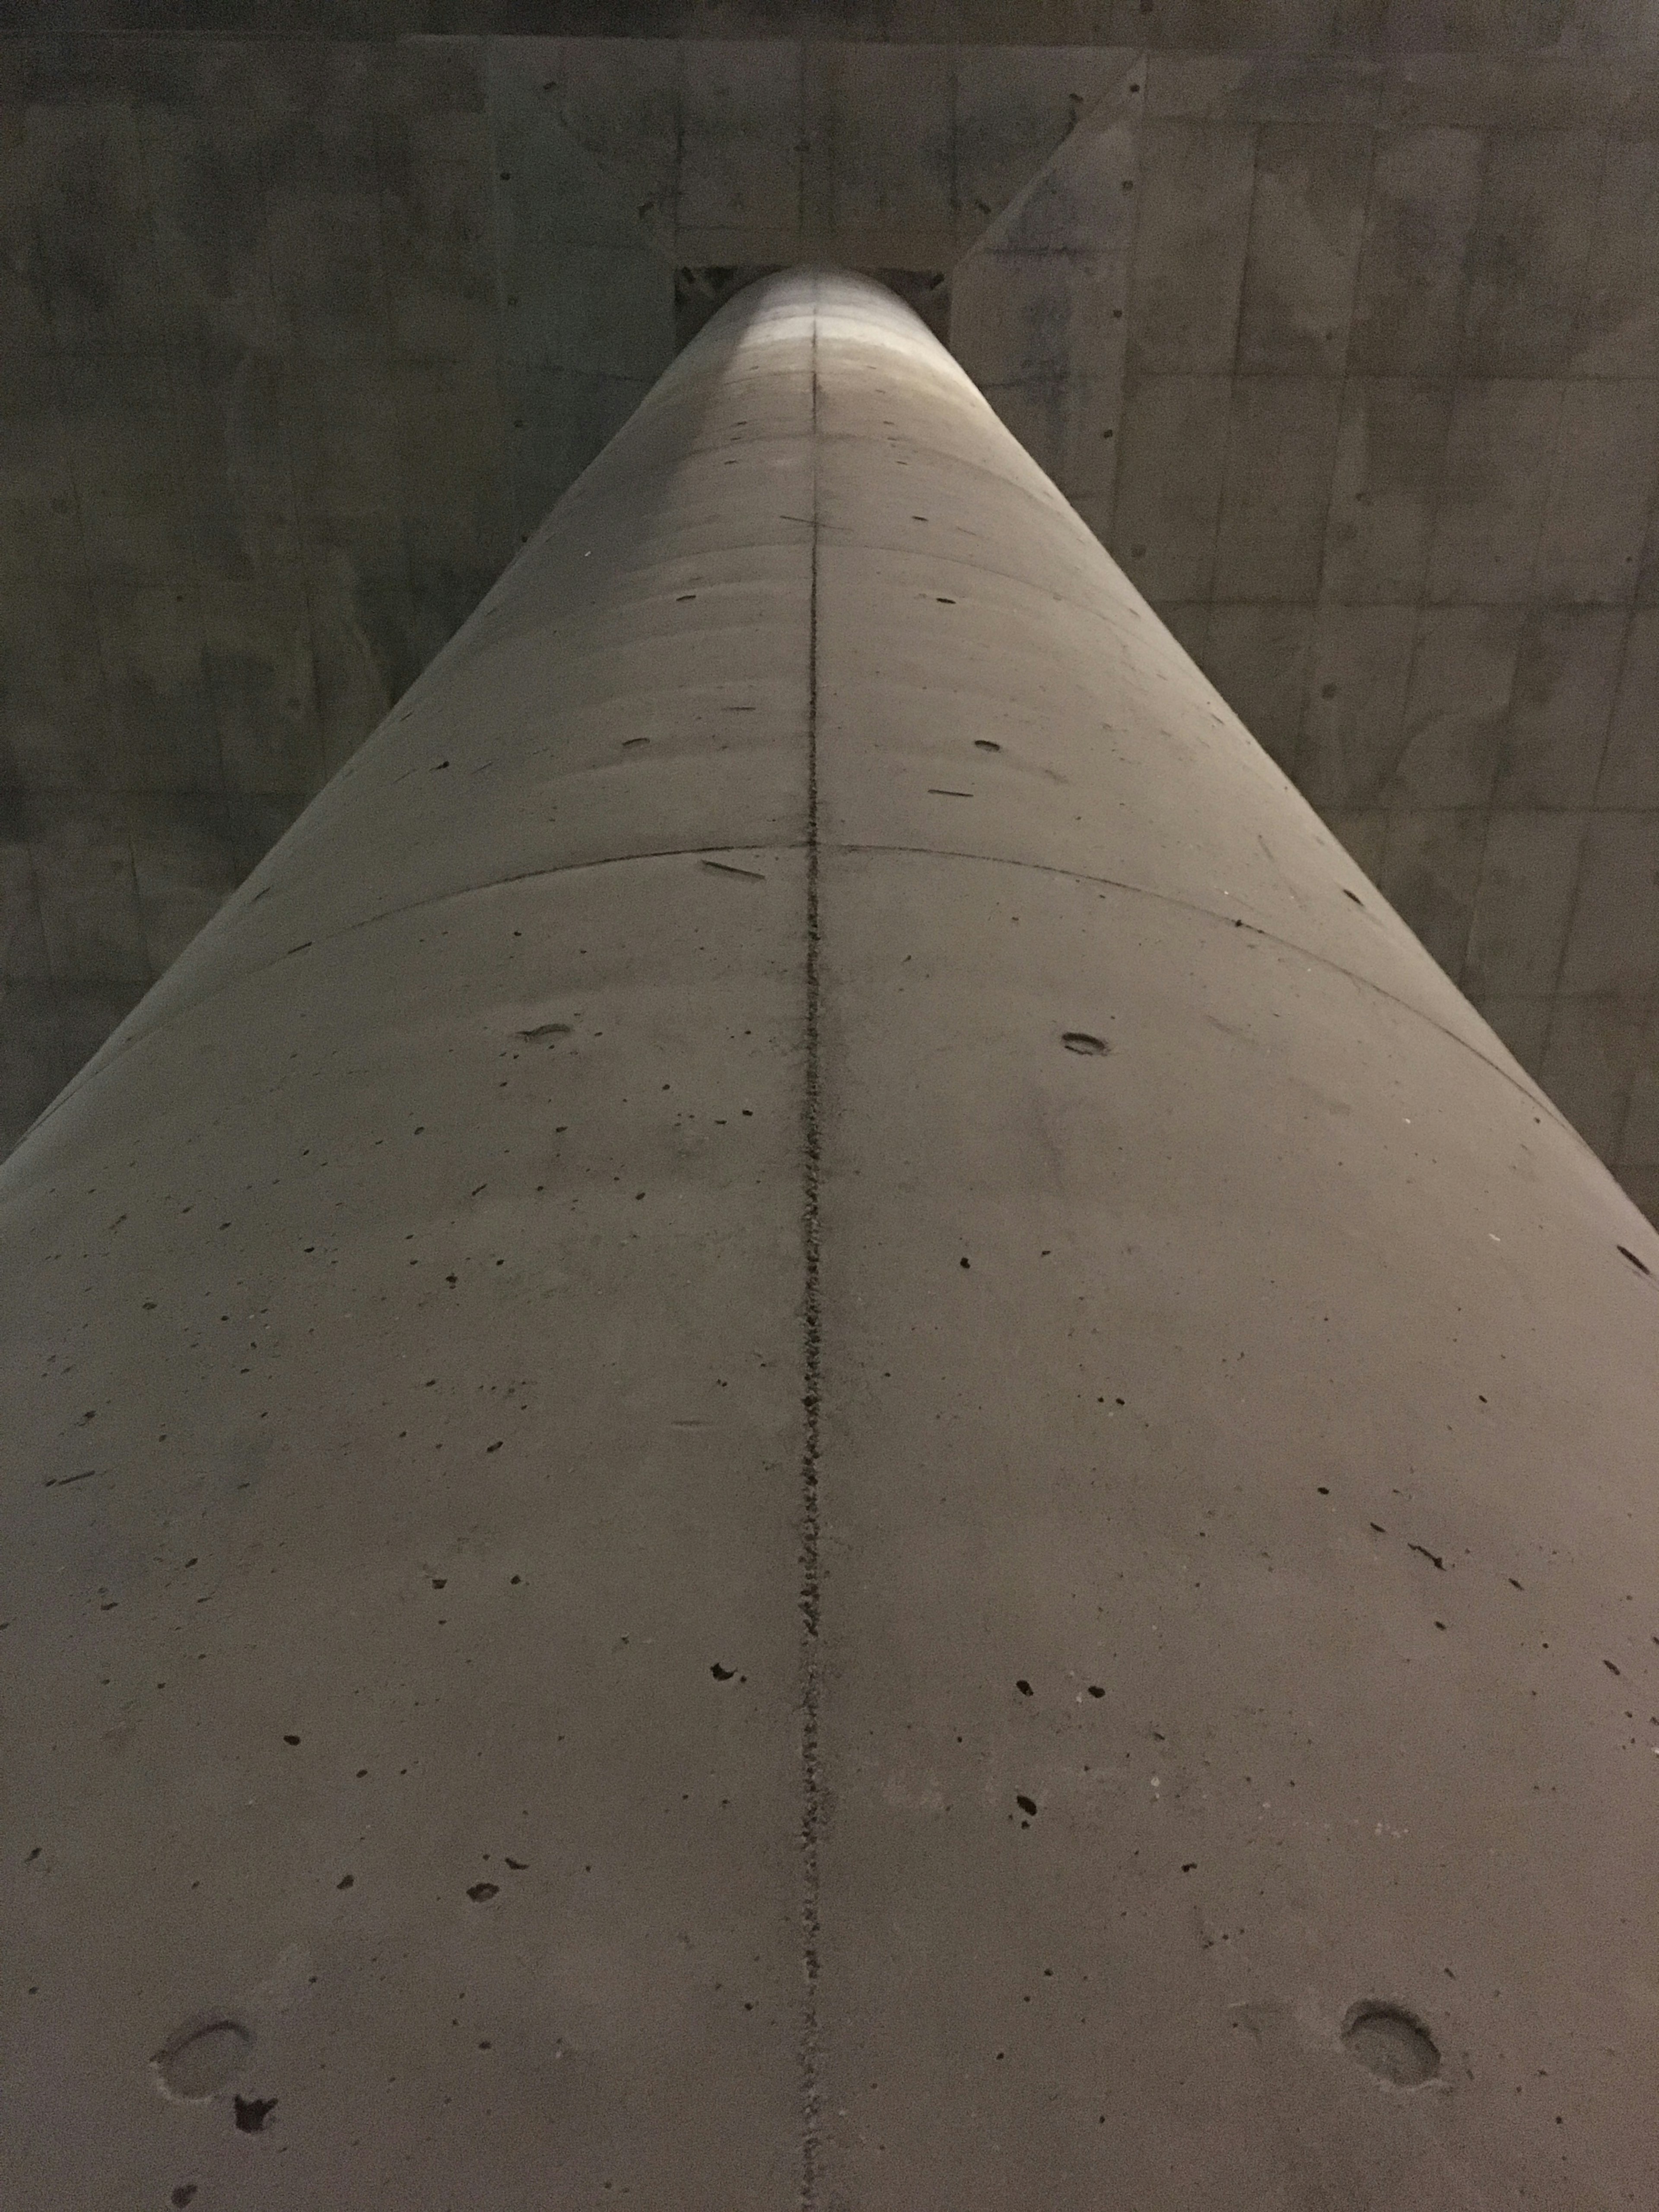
{"points": [[1080, 1040], [198, 2061], [1393, 2046]]}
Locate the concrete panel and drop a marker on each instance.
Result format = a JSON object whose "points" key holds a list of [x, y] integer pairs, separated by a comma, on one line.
{"points": [[1035, 412], [1639, 1141], [83, 860], [1171, 460], [1307, 216], [39, 526], [1019, 317], [1424, 30], [562, 420], [1292, 27], [1502, 82], [740, 162], [88, 1012], [450, 451], [1491, 514], [421, 133], [205, 165], [54, 706], [442, 591], [263, 687], [23, 941], [1362, 835], [1408, 303], [25, 315], [184, 866], [1281, 438], [1457, 705], [597, 310], [1590, 1059], [1530, 252], [1038, 309], [1529, 877], [438, 240], [1565, 678], [1523, 1024], [436, 79], [255, 824], [33, 1067], [362, 623], [323, 144], [1630, 769], [1193, 228], [1257, 659], [328, 272], [1627, 30], [1265, 88], [620, 99], [133, 500], [1014, 107], [344, 428], [1353, 726], [444, 586], [892, 131], [1613, 943], [154, 648], [1086, 199], [1068, 426], [1385, 483], [1431, 868], [231, 437], [1188, 622], [1601, 492], [455, 519], [551, 189], [1618, 332], [93, 240]]}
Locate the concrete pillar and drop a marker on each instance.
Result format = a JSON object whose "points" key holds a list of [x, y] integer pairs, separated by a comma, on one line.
{"points": [[807, 1427]]}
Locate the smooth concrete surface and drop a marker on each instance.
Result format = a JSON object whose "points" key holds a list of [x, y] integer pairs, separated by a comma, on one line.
{"points": [[806, 1426]]}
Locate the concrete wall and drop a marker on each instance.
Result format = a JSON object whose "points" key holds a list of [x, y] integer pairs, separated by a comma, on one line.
{"points": [[1351, 355], [1353, 366]]}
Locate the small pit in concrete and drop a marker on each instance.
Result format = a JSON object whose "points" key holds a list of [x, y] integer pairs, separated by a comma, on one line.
{"points": [[1391, 2043], [197, 2061]]}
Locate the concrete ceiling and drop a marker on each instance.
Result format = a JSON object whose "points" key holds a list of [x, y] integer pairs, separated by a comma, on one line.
{"points": [[1340, 327]]}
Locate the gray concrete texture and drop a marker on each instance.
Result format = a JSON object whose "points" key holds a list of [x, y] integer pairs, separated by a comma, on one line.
{"points": [[806, 1426], [1351, 356]]}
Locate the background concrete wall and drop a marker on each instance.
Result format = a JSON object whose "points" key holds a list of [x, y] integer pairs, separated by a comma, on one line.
{"points": [[1342, 329]]}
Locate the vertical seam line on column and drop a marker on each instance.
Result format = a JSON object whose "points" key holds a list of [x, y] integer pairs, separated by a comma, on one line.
{"points": [[811, 1369]]}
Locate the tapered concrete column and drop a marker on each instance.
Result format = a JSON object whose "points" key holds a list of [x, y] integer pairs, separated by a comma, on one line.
{"points": [[807, 1427]]}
